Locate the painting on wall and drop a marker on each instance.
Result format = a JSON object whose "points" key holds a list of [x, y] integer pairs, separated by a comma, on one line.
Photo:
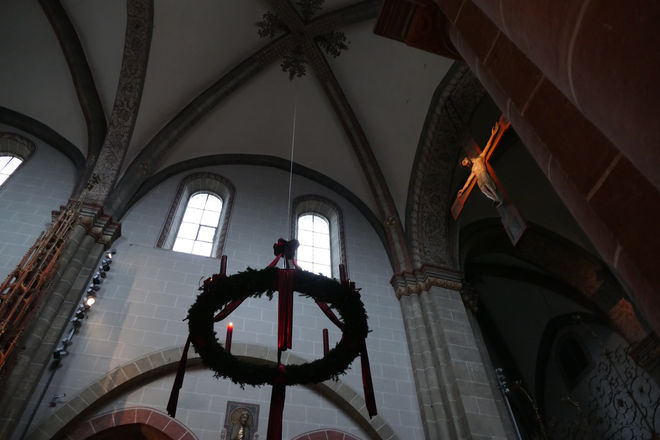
{"points": [[241, 421]]}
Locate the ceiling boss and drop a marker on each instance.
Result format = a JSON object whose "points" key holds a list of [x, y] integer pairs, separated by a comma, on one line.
{"points": [[286, 19]]}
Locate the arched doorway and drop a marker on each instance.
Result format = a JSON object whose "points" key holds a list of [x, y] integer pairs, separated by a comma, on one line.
{"points": [[136, 423]]}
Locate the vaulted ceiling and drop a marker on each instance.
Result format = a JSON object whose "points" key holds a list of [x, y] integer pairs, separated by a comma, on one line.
{"points": [[377, 87]]}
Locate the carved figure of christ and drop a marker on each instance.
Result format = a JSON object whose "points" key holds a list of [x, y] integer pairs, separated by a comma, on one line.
{"points": [[483, 175]]}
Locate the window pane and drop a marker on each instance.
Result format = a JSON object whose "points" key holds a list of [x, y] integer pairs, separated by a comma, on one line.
{"points": [[183, 245], [198, 201], [210, 218], [314, 251], [3, 161], [322, 240], [192, 215], [188, 230], [206, 233], [306, 222], [306, 265], [325, 270], [202, 248], [322, 256], [213, 204], [305, 253], [305, 237], [14, 162], [321, 225]]}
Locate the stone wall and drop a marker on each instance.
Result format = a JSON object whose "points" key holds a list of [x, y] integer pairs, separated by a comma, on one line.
{"points": [[148, 291], [40, 185]]}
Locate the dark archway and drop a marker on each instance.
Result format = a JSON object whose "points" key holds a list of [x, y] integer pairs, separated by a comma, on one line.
{"points": [[568, 268], [134, 431], [136, 423]]}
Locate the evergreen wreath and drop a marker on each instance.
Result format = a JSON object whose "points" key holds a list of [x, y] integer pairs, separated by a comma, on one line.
{"points": [[218, 291]]}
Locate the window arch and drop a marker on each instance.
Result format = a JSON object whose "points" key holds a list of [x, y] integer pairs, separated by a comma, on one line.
{"points": [[198, 219], [14, 150], [317, 224]]}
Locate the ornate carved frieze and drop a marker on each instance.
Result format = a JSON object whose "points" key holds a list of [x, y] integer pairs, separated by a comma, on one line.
{"points": [[446, 127], [422, 279], [127, 100]]}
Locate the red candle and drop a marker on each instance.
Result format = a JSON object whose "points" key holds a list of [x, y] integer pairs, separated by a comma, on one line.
{"points": [[230, 330], [326, 345]]}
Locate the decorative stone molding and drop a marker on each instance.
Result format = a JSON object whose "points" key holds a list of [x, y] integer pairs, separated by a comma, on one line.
{"points": [[154, 418], [429, 198], [139, 25], [422, 279], [323, 434], [96, 223], [16, 144]]}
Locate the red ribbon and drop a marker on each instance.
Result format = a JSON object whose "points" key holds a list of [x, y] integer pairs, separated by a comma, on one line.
{"points": [[181, 369], [285, 308], [367, 384], [330, 314], [178, 381], [277, 398]]}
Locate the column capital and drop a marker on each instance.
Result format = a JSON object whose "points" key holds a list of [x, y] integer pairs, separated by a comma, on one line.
{"points": [[97, 224], [422, 279]]}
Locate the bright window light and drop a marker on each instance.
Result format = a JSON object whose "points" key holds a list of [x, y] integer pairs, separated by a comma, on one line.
{"points": [[199, 225], [8, 165], [314, 252]]}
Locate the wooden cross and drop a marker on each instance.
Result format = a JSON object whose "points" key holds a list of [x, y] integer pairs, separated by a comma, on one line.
{"points": [[483, 175]]}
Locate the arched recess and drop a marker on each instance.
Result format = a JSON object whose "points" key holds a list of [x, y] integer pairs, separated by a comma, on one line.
{"points": [[134, 422], [189, 185], [562, 260], [429, 195], [552, 329], [325, 434], [313, 203], [160, 363]]}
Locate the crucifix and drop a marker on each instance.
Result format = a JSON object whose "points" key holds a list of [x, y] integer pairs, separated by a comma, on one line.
{"points": [[482, 174]]}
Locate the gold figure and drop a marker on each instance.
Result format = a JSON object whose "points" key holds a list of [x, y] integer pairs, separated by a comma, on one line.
{"points": [[240, 425]]}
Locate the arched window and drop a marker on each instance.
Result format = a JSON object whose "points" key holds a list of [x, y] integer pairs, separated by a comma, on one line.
{"points": [[314, 237], [199, 216], [317, 224], [199, 225], [14, 149], [8, 164]]}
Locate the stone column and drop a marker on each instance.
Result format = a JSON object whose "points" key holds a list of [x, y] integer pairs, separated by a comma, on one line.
{"points": [[457, 396], [86, 243]]}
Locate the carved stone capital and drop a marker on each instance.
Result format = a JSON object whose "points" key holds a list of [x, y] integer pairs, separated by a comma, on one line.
{"points": [[422, 279], [96, 223]]}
